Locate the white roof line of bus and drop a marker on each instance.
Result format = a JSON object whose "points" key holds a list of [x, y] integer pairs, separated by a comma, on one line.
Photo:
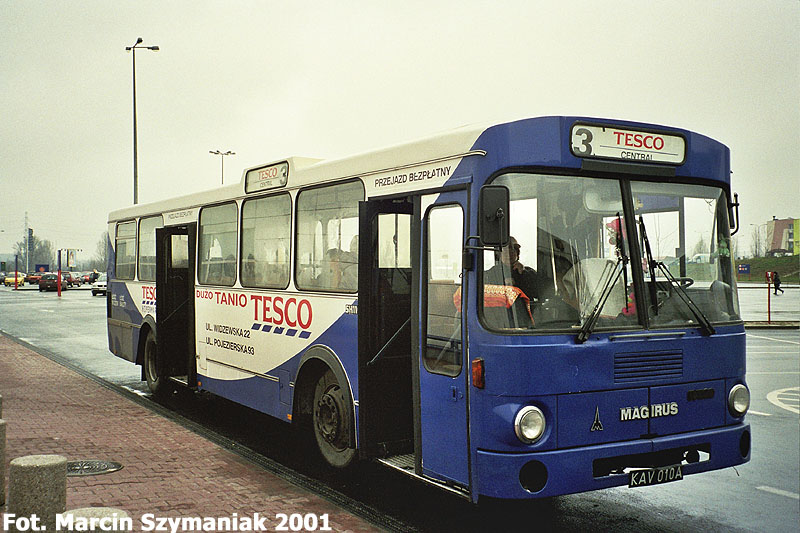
{"points": [[240, 194], [414, 164], [395, 151], [236, 190], [309, 162]]}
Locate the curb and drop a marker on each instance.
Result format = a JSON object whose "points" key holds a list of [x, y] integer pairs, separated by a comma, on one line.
{"points": [[774, 324]]}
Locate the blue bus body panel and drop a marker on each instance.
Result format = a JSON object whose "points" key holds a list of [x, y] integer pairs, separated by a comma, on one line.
{"points": [[571, 470], [557, 364], [123, 336], [593, 417], [693, 413], [647, 394], [545, 142]]}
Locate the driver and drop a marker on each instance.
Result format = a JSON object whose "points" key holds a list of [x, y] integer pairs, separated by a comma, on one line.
{"points": [[508, 270]]}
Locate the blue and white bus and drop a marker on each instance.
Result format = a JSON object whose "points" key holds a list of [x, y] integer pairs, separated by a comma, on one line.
{"points": [[507, 311]]}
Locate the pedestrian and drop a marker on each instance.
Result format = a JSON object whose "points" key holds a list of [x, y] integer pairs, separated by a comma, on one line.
{"points": [[776, 279]]}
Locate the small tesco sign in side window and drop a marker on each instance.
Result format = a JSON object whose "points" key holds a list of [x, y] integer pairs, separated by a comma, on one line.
{"points": [[265, 178]]}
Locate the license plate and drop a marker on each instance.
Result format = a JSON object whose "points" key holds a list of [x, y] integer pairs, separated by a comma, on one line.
{"points": [[655, 476]]}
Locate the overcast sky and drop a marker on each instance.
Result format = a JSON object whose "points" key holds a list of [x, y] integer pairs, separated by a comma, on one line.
{"points": [[271, 79]]}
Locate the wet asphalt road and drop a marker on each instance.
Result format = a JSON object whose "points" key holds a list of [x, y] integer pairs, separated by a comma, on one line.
{"points": [[762, 495]]}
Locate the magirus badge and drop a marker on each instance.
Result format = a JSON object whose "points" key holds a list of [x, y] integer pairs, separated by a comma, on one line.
{"points": [[597, 425]]}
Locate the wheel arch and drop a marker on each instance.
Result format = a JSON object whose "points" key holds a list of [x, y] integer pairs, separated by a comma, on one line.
{"points": [[314, 362], [148, 325]]}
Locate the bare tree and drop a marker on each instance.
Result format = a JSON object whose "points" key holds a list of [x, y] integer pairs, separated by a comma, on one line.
{"points": [[42, 253], [756, 242], [700, 246], [100, 259]]}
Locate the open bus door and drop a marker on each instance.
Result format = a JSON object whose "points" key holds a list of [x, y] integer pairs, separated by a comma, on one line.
{"points": [[386, 422], [175, 258], [443, 371], [412, 374]]}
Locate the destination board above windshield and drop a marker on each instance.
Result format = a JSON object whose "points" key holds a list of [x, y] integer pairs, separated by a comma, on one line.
{"points": [[266, 178], [623, 144]]}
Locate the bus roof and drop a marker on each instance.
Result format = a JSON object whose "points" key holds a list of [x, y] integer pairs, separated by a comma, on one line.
{"points": [[539, 141], [305, 171]]}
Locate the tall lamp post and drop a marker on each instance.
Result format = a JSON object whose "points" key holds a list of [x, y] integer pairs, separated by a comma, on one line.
{"points": [[132, 49], [222, 160]]}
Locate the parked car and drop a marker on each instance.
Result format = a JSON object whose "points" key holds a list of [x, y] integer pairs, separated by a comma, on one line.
{"points": [[86, 277], [33, 278], [9, 279], [99, 286], [49, 282], [70, 278]]}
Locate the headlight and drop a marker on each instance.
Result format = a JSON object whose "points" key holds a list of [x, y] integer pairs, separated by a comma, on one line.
{"points": [[529, 424], [738, 400]]}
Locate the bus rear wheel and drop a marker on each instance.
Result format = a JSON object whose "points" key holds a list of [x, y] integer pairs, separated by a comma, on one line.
{"points": [[331, 421], [155, 381]]}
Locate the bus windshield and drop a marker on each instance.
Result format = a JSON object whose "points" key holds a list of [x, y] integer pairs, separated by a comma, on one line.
{"points": [[687, 230], [568, 259]]}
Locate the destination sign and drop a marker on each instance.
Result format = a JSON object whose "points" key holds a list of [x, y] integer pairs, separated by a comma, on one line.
{"points": [[627, 145], [265, 178]]}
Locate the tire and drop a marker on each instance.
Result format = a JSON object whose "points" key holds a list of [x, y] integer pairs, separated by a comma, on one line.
{"points": [[157, 383], [332, 421], [94, 293]]}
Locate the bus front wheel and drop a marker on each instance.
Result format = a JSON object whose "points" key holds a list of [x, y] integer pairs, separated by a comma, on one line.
{"points": [[331, 421]]}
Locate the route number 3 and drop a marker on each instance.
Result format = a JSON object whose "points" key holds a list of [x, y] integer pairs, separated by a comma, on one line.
{"points": [[586, 142]]}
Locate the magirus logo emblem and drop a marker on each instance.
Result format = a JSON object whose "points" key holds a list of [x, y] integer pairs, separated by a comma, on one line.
{"points": [[597, 425]]}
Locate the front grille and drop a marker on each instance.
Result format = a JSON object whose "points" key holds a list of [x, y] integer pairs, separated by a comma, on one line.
{"points": [[643, 367]]}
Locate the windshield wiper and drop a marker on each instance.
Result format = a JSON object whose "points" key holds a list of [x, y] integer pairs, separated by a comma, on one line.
{"points": [[611, 281], [651, 265], [705, 324]]}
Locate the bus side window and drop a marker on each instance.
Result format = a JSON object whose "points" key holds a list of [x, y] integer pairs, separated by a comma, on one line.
{"points": [[266, 229], [125, 245], [217, 240], [327, 222], [147, 247]]}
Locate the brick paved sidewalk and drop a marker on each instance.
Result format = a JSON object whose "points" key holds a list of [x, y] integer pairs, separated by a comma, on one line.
{"points": [[168, 470]]}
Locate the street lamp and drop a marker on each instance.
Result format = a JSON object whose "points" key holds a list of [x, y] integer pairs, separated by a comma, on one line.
{"points": [[222, 160], [132, 49]]}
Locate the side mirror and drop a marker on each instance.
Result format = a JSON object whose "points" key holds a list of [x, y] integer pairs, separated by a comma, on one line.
{"points": [[733, 213], [493, 215]]}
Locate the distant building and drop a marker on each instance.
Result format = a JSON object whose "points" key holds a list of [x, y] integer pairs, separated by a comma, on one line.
{"points": [[782, 236]]}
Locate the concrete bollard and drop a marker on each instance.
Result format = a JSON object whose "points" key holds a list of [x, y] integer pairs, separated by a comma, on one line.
{"points": [[37, 484], [2, 462], [97, 519]]}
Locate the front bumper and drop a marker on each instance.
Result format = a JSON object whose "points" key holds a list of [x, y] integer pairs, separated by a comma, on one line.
{"points": [[502, 475]]}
